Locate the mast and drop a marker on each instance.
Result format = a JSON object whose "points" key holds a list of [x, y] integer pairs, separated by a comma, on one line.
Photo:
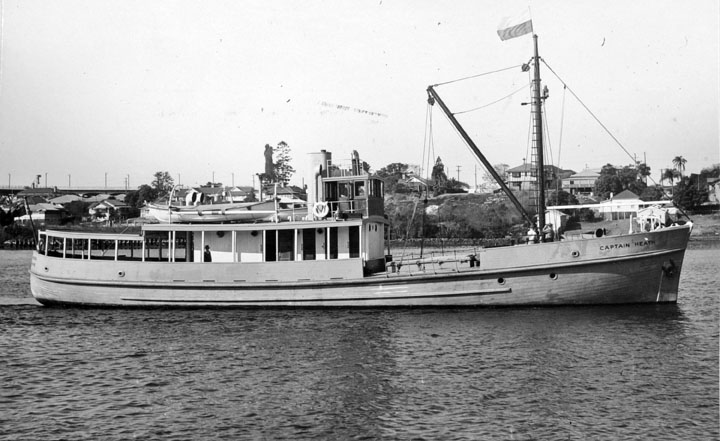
{"points": [[433, 97], [538, 137]]}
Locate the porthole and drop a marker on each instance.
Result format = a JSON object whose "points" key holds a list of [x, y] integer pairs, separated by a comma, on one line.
{"points": [[220, 233], [254, 233], [576, 253], [553, 276], [121, 273], [501, 280]]}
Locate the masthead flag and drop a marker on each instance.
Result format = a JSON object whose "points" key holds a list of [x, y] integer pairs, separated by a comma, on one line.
{"points": [[516, 26]]}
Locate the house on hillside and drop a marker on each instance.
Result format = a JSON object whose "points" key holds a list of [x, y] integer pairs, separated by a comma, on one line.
{"points": [[45, 213], [416, 183], [108, 208], [582, 183], [524, 177], [286, 192], [240, 193]]}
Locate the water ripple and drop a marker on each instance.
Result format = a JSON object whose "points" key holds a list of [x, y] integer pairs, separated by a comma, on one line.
{"points": [[631, 372]]}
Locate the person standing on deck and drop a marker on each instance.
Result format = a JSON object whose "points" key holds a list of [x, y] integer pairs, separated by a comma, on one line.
{"points": [[207, 257]]}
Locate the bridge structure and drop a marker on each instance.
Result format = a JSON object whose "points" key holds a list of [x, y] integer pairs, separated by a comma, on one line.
{"points": [[6, 190]]}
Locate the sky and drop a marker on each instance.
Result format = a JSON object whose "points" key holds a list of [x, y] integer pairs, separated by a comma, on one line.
{"points": [[114, 91]]}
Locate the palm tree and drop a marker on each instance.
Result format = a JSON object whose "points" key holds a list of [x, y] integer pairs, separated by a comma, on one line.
{"points": [[679, 163], [670, 174]]}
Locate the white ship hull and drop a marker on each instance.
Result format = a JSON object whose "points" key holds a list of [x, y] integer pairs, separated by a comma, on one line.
{"points": [[636, 268]]}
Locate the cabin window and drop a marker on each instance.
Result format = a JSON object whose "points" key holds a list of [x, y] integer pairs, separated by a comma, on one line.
{"points": [[346, 191], [156, 246], [54, 246], [360, 189], [102, 249], [331, 191], [76, 248]]}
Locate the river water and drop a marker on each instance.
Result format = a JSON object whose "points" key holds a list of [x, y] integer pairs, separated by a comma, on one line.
{"points": [[621, 372]]}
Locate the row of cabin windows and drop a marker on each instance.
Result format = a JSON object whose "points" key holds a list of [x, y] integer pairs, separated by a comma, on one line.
{"points": [[279, 246]]}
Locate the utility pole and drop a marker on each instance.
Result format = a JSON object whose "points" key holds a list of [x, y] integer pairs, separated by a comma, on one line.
{"points": [[458, 170]]}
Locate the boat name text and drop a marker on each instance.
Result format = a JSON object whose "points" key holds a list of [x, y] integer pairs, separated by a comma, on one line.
{"points": [[641, 243]]}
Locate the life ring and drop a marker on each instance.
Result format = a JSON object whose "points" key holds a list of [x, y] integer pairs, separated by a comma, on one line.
{"points": [[320, 210]]}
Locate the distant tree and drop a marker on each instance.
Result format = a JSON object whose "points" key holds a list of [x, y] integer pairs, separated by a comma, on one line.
{"points": [[652, 193], [644, 171], [608, 182], [439, 178], [561, 197], [278, 169], [688, 195], [711, 172], [283, 169], [679, 164], [631, 179], [452, 185], [489, 181], [391, 174], [137, 198], [670, 175], [162, 183], [77, 209], [613, 180]]}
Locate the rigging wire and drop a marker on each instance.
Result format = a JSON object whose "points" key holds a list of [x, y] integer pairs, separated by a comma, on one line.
{"points": [[632, 157], [476, 76], [494, 102], [589, 111]]}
